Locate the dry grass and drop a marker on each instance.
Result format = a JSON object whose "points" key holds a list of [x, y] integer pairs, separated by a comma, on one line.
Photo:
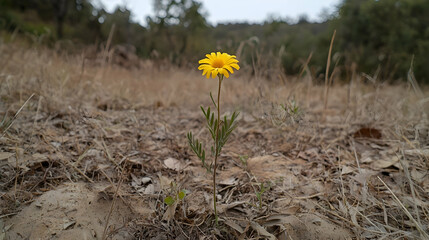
{"points": [[357, 170]]}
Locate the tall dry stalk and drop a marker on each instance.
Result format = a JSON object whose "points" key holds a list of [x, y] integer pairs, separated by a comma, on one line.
{"points": [[328, 64]]}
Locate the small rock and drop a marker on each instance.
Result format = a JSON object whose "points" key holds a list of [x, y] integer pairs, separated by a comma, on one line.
{"points": [[146, 180]]}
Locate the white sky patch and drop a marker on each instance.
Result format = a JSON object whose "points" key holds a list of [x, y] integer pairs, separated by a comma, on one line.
{"points": [[221, 11]]}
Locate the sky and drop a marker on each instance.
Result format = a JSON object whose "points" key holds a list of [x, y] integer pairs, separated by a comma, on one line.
{"points": [[252, 11]]}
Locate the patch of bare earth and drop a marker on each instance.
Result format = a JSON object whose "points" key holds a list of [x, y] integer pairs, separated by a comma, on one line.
{"points": [[71, 211], [97, 149]]}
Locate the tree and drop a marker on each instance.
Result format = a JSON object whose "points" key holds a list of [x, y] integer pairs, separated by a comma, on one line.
{"points": [[173, 23], [385, 34], [60, 9]]}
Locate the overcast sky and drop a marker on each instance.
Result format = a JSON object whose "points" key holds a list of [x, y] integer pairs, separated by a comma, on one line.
{"points": [[236, 10]]}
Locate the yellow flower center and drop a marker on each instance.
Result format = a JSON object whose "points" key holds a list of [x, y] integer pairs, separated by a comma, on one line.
{"points": [[218, 63]]}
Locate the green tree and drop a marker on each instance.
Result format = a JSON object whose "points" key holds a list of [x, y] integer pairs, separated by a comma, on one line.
{"points": [[385, 34], [173, 24], [68, 19], [60, 8]]}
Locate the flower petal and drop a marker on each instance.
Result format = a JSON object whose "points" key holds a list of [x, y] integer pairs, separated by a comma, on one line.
{"points": [[201, 67], [205, 71], [211, 56], [229, 68], [225, 73], [231, 60], [225, 55], [205, 60], [208, 73], [234, 65], [214, 73]]}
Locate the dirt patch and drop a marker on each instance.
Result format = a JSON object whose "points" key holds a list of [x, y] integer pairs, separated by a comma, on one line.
{"points": [[71, 211], [305, 226]]}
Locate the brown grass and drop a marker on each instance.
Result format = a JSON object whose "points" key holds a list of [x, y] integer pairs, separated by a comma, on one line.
{"points": [[360, 166]]}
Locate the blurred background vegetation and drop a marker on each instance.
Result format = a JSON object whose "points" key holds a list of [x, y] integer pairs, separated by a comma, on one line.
{"points": [[382, 38]]}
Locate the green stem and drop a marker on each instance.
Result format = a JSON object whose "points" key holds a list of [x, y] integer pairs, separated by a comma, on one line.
{"points": [[216, 148]]}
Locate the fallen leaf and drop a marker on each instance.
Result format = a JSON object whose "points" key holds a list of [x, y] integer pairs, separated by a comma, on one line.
{"points": [[366, 160], [173, 163], [234, 226], [136, 161], [418, 176], [25, 162], [367, 132], [279, 220], [385, 163], [68, 224], [223, 207], [248, 118], [346, 170], [363, 176], [376, 146], [291, 210], [164, 182], [150, 189], [262, 232], [417, 152], [366, 156], [56, 144], [229, 181], [5, 155], [269, 167], [198, 203], [170, 212]]}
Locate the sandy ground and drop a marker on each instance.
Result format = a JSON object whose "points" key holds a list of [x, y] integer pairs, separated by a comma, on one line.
{"points": [[71, 211]]}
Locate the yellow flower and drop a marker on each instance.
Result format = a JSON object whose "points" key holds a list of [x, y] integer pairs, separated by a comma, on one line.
{"points": [[218, 63]]}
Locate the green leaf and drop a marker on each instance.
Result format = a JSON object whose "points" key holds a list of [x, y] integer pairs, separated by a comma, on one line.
{"points": [[213, 101], [262, 188], [5, 123], [169, 200], [227, 128], [181, 194], [197, 147], [211, 121], [204, 111], [212, 151]]}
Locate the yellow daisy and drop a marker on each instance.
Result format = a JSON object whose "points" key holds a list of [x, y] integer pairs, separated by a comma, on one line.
{"points": [[218, 63]]}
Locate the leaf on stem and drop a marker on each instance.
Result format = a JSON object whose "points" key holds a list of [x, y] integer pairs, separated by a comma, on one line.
{"points": [[197, 148], [211, 122], [169, 200], [213, 101], [181, 195], [226, 129]]}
